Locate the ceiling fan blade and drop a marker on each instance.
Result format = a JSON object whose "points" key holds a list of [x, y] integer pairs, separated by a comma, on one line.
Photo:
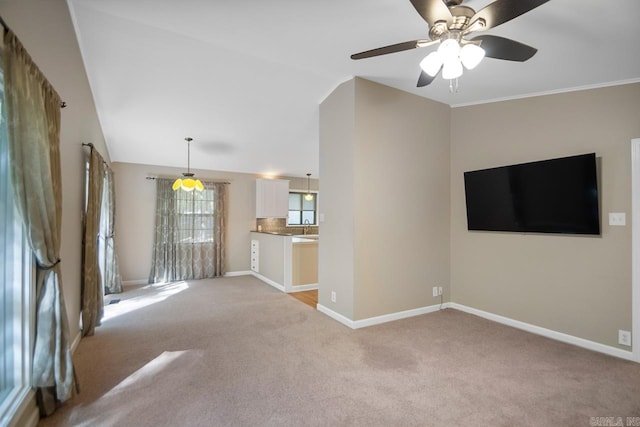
{"points": [[501, 11], [433, 11], [425, 79], [398, 47], [502, 48]]}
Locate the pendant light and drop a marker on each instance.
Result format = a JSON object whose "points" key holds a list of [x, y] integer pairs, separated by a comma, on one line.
{"points": [[308, 196], [188, 183]]}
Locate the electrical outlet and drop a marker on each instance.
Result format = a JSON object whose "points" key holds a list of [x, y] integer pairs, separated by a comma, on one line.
{"points": [[435, 291], [440, 290], [617, 218], [624, 337], [333, 296]]}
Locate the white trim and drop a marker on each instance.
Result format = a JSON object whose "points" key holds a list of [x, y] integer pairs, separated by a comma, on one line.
{"points": [[76, 342], [635, 248], [238, 273], [301, 288], [549, 92], [135, 282], [363, 323], [268, 281], [336, 316], [548, 333], [24, 409]]}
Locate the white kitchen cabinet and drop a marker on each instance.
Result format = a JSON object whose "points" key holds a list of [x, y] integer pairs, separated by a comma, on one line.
{"points": [[272, 198]]}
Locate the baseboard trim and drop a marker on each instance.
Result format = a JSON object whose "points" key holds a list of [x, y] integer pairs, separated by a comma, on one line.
{"points": [[548, 333], [371, 321], [336, 316], [237, 273], [268, 281], [301, 288], [135, 282], [76, 342]]}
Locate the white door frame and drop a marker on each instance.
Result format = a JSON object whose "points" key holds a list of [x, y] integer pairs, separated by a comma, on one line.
{"points": [[635, 247]]}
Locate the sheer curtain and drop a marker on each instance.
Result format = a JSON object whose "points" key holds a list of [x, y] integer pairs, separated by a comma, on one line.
{"points": [[190, 233], [33, 125]]}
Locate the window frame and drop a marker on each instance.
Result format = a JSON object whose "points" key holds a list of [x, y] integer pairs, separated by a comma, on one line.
{"points": [[18, 303], [189, 215], [316, 211]]}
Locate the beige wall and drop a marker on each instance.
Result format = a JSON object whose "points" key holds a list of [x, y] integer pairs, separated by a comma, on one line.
{"points": [[401, 200], [135, 217], [46, 30], [577, 285], [337, 161], [384, 159]]}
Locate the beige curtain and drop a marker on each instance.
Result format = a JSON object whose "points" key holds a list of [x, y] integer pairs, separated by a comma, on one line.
{"points": [[190, 233], [91, 282], [33, 124], [111, 273]]}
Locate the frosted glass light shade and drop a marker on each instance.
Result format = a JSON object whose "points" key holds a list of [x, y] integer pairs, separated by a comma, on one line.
{"points": [[471, 55], [308, 197], [451, 69], [431, 63], [449, 49], [187, 184]]}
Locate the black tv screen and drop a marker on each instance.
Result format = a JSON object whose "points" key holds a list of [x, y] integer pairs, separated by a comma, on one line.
{"points": [[549, 196]]}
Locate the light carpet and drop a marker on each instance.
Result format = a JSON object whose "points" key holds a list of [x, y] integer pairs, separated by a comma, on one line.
{"points": [[236, 352]]}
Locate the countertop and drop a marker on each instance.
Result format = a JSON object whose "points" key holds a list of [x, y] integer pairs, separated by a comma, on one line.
{"points": [[273, 233], [296, 238]]}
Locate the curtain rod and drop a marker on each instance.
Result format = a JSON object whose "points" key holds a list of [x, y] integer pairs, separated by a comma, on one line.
{"points": [[90, 145], [6, 27], [166, 177]]}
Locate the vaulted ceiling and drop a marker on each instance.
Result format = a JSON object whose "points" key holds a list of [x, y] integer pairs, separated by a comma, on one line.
{"points": [[245, 78]]}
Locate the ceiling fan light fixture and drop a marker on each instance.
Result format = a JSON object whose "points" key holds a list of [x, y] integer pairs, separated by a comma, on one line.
{"points": [[449, 49], [451, 69], [431, 63], [471, 55]]}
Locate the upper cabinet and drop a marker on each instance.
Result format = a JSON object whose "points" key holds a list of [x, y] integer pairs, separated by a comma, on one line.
{"points": [[272, 198]]}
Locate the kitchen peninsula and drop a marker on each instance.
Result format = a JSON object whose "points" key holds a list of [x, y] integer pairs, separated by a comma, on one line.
{"points": [[285, 261]]}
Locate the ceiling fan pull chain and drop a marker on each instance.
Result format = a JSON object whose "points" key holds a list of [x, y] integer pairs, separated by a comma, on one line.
{"points": [[453, 88]]}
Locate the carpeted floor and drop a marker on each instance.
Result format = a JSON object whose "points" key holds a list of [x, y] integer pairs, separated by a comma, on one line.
{"points": [[236, 352]]}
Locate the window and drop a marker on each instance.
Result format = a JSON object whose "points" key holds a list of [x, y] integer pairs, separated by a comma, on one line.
{"points": [[16, 274], [195, 220], [301, 210]]}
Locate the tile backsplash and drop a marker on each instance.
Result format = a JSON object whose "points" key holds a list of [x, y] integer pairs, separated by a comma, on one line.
{"points": [[279, 225]]}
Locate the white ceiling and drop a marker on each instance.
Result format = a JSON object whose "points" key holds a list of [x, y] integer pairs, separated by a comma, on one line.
{"points": [[245, 78]]}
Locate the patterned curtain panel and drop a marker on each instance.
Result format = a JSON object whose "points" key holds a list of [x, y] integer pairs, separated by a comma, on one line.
{"points": [[91, 282], [190, 233], [33, 125], [111, 272]]}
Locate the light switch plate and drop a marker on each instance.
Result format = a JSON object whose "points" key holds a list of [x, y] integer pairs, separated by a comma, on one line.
{"points": [[617, 218]]}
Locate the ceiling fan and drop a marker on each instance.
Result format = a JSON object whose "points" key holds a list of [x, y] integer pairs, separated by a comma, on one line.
{"points": [[450, 24]]}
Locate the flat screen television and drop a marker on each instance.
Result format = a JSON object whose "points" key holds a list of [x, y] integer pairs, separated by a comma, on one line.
{"points": [[549, 196]]}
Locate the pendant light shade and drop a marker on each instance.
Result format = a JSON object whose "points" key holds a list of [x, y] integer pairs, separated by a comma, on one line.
{"points": [[187, 182], [308, 196]]}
